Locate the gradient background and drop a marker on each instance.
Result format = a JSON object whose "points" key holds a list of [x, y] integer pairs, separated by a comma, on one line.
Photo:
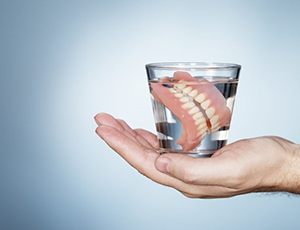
{"points": [[64, 61]]}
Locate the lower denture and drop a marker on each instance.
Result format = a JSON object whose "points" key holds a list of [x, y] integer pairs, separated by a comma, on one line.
{"points": [[201, 94]]}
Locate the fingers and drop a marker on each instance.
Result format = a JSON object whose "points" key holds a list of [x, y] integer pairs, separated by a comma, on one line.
{"points": [[108, 120], [120, 125], [134, 153], [130, 150], [200, 171], [126, 127], [150, 137], [136, 135], [139, 158]]}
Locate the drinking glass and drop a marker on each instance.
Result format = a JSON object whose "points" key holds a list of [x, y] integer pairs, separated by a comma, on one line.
{"points": [[192, 105]]}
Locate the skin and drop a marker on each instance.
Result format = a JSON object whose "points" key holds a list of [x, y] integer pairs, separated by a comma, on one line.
{"points": [[261, 164]]}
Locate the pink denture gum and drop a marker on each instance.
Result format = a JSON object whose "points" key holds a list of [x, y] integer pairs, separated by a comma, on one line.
{"points": [[197, 103]]}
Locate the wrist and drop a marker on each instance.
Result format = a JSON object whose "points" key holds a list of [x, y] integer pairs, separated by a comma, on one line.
{"points": [[291, 179]]}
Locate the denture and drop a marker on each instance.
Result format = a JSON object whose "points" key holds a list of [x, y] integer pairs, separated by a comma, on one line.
{"points": [[197, 103]]}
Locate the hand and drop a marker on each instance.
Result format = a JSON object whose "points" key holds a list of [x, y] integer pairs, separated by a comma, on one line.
{"points": [[249, 165]]}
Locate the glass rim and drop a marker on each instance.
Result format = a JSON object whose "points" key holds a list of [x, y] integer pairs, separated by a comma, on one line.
{"points": [[193, 65]]}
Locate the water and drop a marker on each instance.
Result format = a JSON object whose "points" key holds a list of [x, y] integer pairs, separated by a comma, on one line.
{"points": [[169, 127]]}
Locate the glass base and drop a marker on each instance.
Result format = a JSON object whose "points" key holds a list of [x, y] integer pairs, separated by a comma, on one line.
{"points": [[196, 154]]}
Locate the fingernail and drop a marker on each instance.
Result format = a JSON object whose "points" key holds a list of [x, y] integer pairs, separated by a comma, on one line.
{"points": [[162, 164]]}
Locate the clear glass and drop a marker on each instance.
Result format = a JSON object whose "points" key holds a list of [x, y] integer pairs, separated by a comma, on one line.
{"points": [[192, 105]]}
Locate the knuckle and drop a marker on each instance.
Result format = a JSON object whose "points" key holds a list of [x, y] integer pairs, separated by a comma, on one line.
{"points": [[198, 195], [188, 176], [139, 131], [121, 120], [203, 196], [188, 195]]}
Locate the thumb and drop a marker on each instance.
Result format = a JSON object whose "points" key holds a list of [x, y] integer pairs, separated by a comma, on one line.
{"points": [[208, 171]]}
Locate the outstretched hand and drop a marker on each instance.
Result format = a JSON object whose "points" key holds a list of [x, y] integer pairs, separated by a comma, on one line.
{"points": [[249, 165]]}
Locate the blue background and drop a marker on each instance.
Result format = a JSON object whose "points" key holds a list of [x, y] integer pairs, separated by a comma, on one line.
{"points": [[64, 61]]}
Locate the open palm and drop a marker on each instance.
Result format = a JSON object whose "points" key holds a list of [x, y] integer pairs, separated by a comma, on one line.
{"points": [[257, 164]]}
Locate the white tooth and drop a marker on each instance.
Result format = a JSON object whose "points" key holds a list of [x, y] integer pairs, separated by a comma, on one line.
{"points": [[199, 121], [187, 89], [193, 93], [197, 116], [194, 110], [184, 99], [188, 105], [216, 125], [200, 98], [180, 86], [172, 90], [214, 120], [210, 112], [178, 95], [202, 130], [202, 126], [205, 104]]}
